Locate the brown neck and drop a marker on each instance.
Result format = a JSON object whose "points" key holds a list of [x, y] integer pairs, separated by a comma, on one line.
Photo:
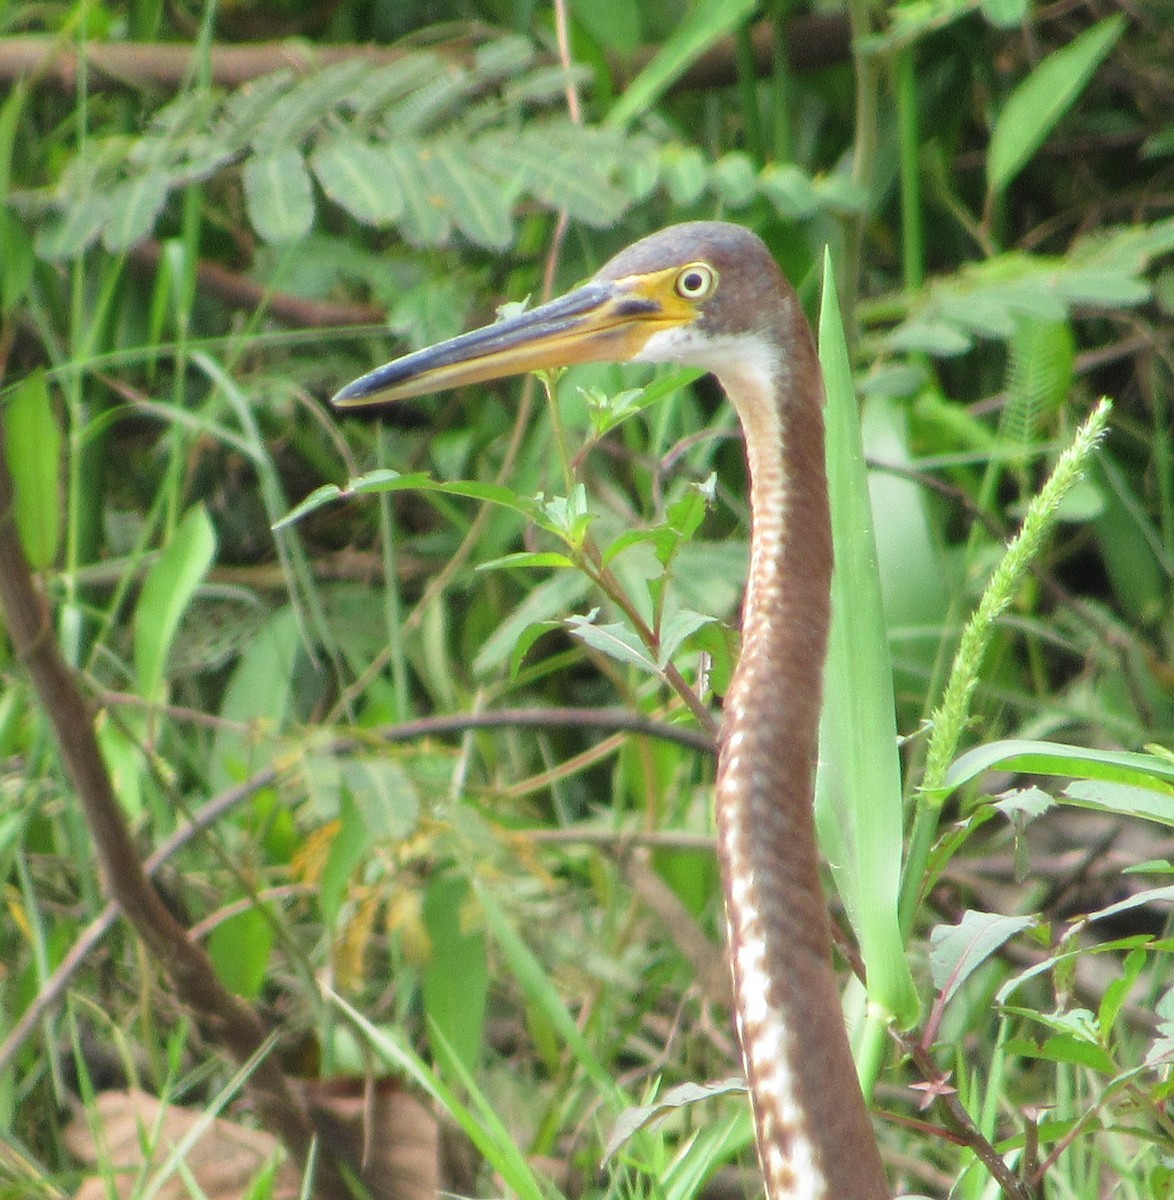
{"points": [[815, 1137]]}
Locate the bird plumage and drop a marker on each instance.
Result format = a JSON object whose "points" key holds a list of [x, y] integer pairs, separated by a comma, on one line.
{"points": [[709, 294]]}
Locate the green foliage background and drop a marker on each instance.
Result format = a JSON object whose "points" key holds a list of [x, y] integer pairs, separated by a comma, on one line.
{"points": [[190, 266]]}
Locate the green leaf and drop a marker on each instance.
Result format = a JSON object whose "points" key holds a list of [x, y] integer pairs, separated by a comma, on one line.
{"points": [[734, 179], [1035, 107], [240, 948], [167, 591], [1153, 803], [527, 558], [289, 118], [348, 849], [614, 640], [675, 629], [33, 451], [1056, 758], [258, 701], [640, 1116], [134, 207], [359, 178], [477, 204], [547, 602], [424, 222], [562, 170], [456, 979], [790, 190], [704, 24], [68, 234], [1067, 1048], [278, 195], [859, 804], [959, 950]]}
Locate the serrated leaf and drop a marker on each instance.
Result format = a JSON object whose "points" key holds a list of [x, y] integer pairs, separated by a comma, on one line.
{"points": [[1035, 107], [33, 451], [359, 178], [167, 591], [615, 640], [959, 950], [278, 195]]}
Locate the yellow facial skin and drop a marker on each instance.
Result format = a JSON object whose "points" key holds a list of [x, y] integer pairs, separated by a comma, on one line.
{"points": [[606, 320]]}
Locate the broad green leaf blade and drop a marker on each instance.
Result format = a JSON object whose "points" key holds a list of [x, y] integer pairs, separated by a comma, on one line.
{"points": [[543, 605], [33, 450], [240, 948], [859, 807], [1035, 107], [456, 979], [614, 640], [959, 950], [705, 23], [278, 195], [1055, 758], [258, 700], [167, 591], [1122, 799], [359, 178]]}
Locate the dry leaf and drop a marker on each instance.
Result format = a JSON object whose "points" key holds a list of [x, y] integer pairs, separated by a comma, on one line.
{"points": [[138, 1135]]}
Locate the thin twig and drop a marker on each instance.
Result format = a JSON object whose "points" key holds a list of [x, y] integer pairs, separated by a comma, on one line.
{"points": [[52, 990]]}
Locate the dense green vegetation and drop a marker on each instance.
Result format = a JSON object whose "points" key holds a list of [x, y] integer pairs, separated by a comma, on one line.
{"points": [[273, 613]]}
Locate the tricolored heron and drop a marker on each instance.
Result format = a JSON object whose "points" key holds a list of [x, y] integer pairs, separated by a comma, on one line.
{"points": [[709, 294]]}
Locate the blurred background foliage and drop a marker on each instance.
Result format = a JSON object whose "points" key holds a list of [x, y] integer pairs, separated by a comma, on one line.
{"points": [[213, 217]]}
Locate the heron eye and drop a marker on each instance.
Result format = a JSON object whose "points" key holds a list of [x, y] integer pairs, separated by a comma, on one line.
{"points": [[696, 281]]}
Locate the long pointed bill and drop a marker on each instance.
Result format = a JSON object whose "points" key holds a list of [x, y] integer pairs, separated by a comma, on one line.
{"points": [[603, 321]]}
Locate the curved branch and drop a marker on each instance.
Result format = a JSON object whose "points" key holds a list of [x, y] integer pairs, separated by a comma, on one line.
{"points": [[227, 1020]]}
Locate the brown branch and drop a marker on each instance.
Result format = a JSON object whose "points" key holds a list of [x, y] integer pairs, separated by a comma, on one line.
{"points": [[240, 292], [958, 1120], [812, 42], [225, 1018]]}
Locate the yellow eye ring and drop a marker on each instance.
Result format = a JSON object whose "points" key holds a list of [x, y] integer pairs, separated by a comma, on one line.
{"points": [[695, 281]]}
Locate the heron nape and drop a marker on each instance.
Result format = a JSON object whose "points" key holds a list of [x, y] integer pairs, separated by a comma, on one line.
{"points": [[708, 294]]}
